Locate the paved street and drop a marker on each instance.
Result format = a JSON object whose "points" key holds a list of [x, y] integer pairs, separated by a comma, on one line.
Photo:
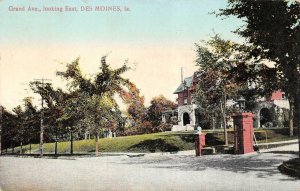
{"points": [[150, 172]]}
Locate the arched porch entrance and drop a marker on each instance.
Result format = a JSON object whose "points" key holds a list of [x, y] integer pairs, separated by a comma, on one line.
{"points": [[265, 117], [186, 119]]}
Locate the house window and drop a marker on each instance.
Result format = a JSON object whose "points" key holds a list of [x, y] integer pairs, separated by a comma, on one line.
{"points": [[185, 101], [185, 93], [283, 96]]}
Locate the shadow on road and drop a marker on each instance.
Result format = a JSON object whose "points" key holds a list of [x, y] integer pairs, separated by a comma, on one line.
{"points": [[264, 165]]}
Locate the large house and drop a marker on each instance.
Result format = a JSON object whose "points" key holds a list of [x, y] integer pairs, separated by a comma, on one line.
{"points": [[269, 112]]}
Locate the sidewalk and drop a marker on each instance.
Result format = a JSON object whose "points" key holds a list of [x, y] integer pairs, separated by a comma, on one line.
{"points": [[291, 145]]}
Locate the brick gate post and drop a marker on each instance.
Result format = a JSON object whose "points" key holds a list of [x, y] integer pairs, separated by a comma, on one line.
{"points": [[243, 133]]}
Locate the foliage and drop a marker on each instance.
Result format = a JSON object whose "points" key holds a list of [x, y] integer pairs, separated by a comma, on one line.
{"points": [[158, 105], [93, 106], [216, 58], [94, 101], [55, 100], [31, 122], [136, 108], [9, 130], [272, 30], [20, 126]]}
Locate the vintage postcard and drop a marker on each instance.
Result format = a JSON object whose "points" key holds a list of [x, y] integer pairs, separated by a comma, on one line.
{"points": [[149, 95]]}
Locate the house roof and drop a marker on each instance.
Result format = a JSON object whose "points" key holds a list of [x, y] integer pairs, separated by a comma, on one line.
{"points": [[187, 82]]}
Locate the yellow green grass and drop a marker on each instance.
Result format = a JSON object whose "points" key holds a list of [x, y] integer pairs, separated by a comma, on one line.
{"points": [[156, 142]]}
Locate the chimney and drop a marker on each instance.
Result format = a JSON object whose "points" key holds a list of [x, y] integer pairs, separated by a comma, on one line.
{"points": [[181, 74]]}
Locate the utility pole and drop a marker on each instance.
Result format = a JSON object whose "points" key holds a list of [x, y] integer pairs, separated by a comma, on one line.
{"points": [[42, 82]]}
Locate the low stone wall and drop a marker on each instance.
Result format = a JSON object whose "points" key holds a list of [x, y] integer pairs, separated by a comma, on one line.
{"points": [[182, 128]]}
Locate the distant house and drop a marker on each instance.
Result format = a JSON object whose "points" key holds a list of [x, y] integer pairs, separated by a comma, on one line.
{"points": [[269, 112], [186, 113], [272, 111]]}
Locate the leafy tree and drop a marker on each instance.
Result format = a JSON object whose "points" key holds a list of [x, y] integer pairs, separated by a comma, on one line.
{"points": [[272, 29], [135, 108], [94, 92], [55, 102], [154, 113], [99, 112], [70, 115], [24, 124], [216, 58], [19, 126], [1, 118], [9, 132], [31, 123]]}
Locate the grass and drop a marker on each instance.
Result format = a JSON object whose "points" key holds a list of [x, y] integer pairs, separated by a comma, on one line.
{"points": [[156, 142], [273, 135]]}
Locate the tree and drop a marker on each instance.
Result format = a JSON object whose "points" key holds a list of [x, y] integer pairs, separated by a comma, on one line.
{"points": [[9, 130], [55, 100], [19, 125], [154, 113], [25, 125], [272, 28], [216, 58], [1, 118], [98, 113], [135, 108], [31, 123], [94, 92]]}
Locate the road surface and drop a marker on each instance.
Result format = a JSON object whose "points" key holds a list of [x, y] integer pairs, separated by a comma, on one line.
{"points": [[150, 172]]}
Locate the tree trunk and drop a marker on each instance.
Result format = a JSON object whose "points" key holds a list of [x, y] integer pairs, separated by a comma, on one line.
{"points": [[71, 143], [291, 117], [97, 145], [297, 107], [56, 138], [21, 145], [223, 111], [55, 148], [213, 122], [42, 135], [0, 131]]}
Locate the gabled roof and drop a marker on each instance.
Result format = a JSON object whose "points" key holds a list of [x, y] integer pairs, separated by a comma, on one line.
{"points": [[187, 82]]}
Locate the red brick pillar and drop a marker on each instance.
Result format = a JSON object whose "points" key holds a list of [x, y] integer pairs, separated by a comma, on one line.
{"points": [[243, 133], [199, 143]]}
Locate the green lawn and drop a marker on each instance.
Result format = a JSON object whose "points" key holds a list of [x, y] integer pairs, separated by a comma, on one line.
{"points": [[156, 142]]}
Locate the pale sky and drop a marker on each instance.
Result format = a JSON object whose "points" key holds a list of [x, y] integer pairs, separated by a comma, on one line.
{"points": [[158, 36]]}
